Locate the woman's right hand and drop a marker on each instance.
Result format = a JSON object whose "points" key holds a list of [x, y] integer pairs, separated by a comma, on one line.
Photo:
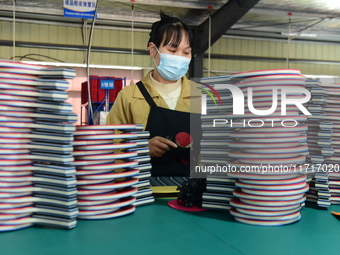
{"points": [[159, 145]]}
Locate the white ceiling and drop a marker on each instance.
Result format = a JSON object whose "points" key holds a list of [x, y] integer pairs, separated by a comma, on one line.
{"points": [[316, 20]]}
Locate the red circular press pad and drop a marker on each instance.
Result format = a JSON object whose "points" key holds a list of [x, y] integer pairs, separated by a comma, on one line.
{"points": [[174, 204], [183, 139]]}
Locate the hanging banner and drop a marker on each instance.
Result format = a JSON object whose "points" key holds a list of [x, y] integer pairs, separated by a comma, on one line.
{"points": [[79, 9]]}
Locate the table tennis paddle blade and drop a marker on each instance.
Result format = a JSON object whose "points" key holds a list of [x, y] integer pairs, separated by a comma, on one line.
{"points": [[183, 139]]}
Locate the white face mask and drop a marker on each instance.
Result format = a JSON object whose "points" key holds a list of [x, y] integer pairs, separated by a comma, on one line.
{"points": [[172, 67]]}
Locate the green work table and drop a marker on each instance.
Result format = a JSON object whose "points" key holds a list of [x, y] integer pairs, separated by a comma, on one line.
{"points": [[159, 229]]}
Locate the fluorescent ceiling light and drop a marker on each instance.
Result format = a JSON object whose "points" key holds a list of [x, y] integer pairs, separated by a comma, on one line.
{"points": [[308, 35], [61, 64], [299, 34], [289, 34], [315, 76], [331, 4]]}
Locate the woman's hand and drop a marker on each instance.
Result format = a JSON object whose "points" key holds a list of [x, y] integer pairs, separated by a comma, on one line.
{"points": [[159, 145]]}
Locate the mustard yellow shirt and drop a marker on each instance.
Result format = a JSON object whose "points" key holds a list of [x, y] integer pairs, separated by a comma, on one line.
{"points": [[131, 107]]}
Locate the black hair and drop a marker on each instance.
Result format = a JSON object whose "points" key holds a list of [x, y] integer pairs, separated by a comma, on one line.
{"points": [[170, 30]]}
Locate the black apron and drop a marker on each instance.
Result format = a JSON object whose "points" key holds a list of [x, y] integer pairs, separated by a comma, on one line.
{"points": [[167, 123]]}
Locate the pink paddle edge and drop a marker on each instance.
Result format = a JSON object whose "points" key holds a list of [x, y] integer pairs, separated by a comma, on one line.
{"points": [[174, 204]]}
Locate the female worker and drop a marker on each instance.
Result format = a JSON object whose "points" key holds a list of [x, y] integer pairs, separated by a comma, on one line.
{"points": [[161, 100]]}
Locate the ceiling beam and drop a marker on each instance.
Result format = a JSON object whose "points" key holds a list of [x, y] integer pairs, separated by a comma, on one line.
{"points": [[76, 24], [295, 13], [32, 9], [144, 52], [222, 20], [263, 36], [73, 47], [102, 15], [193, 4]]}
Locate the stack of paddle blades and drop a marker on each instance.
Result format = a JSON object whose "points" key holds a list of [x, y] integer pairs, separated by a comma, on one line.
{"points": [[264, 152], [324, 141], [108, 167], [37, 178]]}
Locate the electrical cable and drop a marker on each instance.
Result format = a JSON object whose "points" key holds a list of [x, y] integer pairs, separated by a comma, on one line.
{"points": [[289, 40], [132, 42], [312, 25], [88, 63], [21, 58], [13, 48], [40, 55], [209, 43], [84, 36], [272, 24]]}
